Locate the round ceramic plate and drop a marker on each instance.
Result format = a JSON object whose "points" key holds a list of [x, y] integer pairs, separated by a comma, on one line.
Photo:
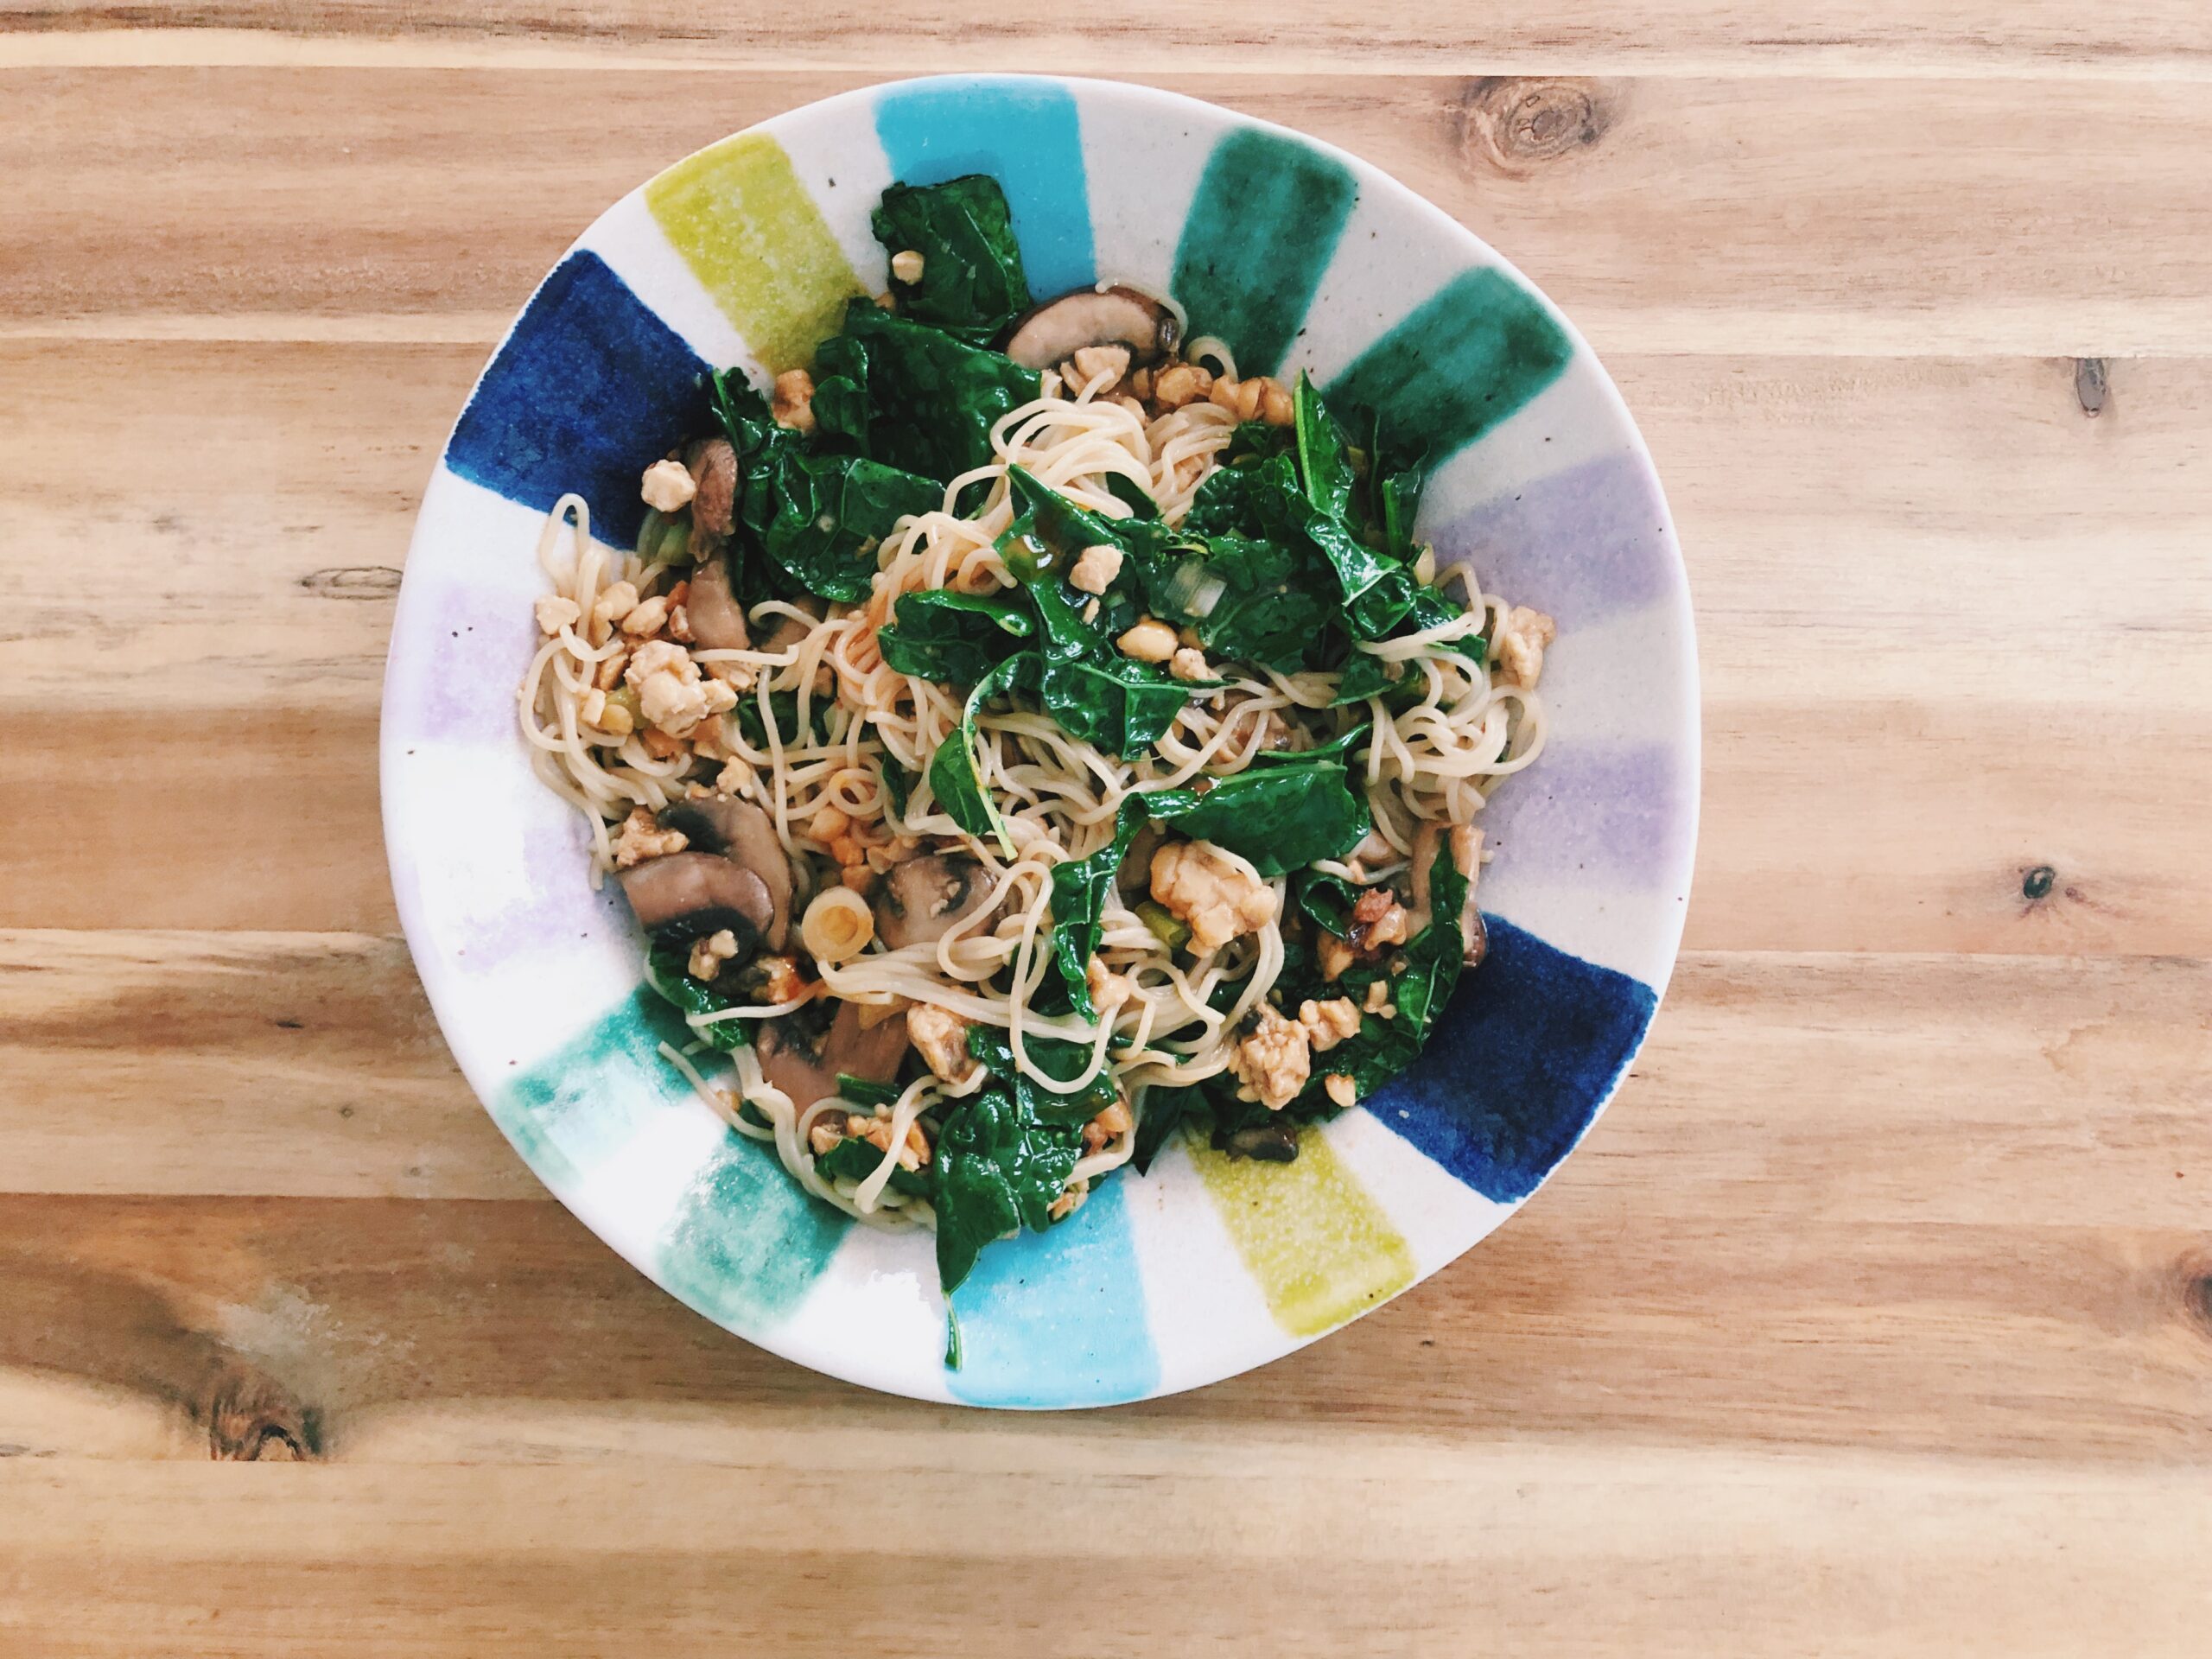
{"points": [[1301, 256]]}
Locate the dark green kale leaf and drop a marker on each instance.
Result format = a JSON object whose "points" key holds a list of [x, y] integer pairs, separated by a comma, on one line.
{"points": [[1079, 890], [1395, 480], [1267, 502], [1056, 1058], [952, 638], [998, 1169], [1324, 455], [1165, 1110], [1093, 691], [861, 1092], [932, 398], [1280, 816], [1249, 601], [819, 516], [971, 283], [668, 971], [856, 1160], [952, 775], [1430, 960], [783, 709]]}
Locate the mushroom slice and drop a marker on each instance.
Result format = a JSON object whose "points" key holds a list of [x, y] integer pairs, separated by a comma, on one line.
{"points": [[924, 899], [1466, 843], [717, 619], [688, 895], [741, 833], [1056, 330], [1275, 1141], [802, 1054]]}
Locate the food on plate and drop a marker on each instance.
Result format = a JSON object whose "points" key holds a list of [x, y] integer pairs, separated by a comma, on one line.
{"points": [[1023, 739]]}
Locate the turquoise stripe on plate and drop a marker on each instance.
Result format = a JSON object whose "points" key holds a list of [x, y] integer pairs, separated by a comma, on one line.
{"points": [[1026, 134], [1059, 1318], [747, 1242], [580, 1104]]}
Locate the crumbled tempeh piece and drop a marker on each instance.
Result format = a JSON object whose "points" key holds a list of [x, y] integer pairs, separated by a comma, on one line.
{"points": [[1274, 1061], [1200, 886]]}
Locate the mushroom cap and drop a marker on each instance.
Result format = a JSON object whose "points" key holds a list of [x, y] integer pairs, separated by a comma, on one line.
{"points": [[712, 463], [924, 899], [741, 833], [688, 895], [801, 1056], [717, 619], [1275, 1141], [1055, 331]]}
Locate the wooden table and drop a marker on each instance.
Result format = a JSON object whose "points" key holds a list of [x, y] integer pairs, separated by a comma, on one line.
{"points": [[1877, 1316]]}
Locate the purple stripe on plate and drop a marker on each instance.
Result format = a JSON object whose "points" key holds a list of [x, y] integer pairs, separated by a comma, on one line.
{"points": [[1585, 545], [457, 662], [1584, 811]]}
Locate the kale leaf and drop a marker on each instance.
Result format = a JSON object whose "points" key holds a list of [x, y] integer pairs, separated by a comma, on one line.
{"points": [[1281, 815], [953, 638], [932, 398], [1324, 456], [820, 517], [997, 1169], [668, 971], [971, 283], [953, 778], [1057, 1058], [853, 1160], [1079, 890]]}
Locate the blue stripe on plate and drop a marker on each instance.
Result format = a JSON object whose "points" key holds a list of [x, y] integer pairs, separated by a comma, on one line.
{"points": [[589, 385], [1059, 1318], [1023, 133], [1532, 1044]]}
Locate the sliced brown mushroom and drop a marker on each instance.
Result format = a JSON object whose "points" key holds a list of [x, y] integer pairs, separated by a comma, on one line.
{"points": [[1056, 330], [713, 466], [717, 619], [1466, 844], [924, 899], [1275, 1141], [1134, 878], [802, 1054], [741, 833], [688, 895]]}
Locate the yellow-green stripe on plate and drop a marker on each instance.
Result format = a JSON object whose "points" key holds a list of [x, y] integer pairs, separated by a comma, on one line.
{"points": [[1320, 1249], [745, 226]]}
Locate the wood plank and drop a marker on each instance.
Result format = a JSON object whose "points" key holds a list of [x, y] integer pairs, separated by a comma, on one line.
{"points": [[1546, 1552], [2038, 37], [1840, 1086], [1954, 509], [1665, 214], [389, 1330], [1905, 1204]]}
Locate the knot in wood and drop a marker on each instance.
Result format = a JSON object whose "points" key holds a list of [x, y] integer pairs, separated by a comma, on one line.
{"points": [[1512, 122]]}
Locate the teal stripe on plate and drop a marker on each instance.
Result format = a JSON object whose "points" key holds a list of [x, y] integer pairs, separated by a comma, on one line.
{"points": [[1025, 134], [582, 1104], [1468, 356], [1260, 230], [747, 1242], [1059, 1318]]}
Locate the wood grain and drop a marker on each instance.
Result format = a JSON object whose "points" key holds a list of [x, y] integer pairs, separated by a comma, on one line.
{"points": [[2040, 217], [1941, 510], [1876, 1318], [2126, 38]]}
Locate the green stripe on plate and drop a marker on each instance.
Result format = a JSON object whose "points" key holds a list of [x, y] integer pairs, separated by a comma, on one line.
{"points": [[1260, 232], [745, 226], [1320, 1249], [1467, 357]]}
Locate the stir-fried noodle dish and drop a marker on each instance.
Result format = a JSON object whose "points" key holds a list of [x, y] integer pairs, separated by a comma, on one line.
{"points": [[1023, 740]]}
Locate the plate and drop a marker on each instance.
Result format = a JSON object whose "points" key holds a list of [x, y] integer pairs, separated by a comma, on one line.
{"points": [[1301, 256]]}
